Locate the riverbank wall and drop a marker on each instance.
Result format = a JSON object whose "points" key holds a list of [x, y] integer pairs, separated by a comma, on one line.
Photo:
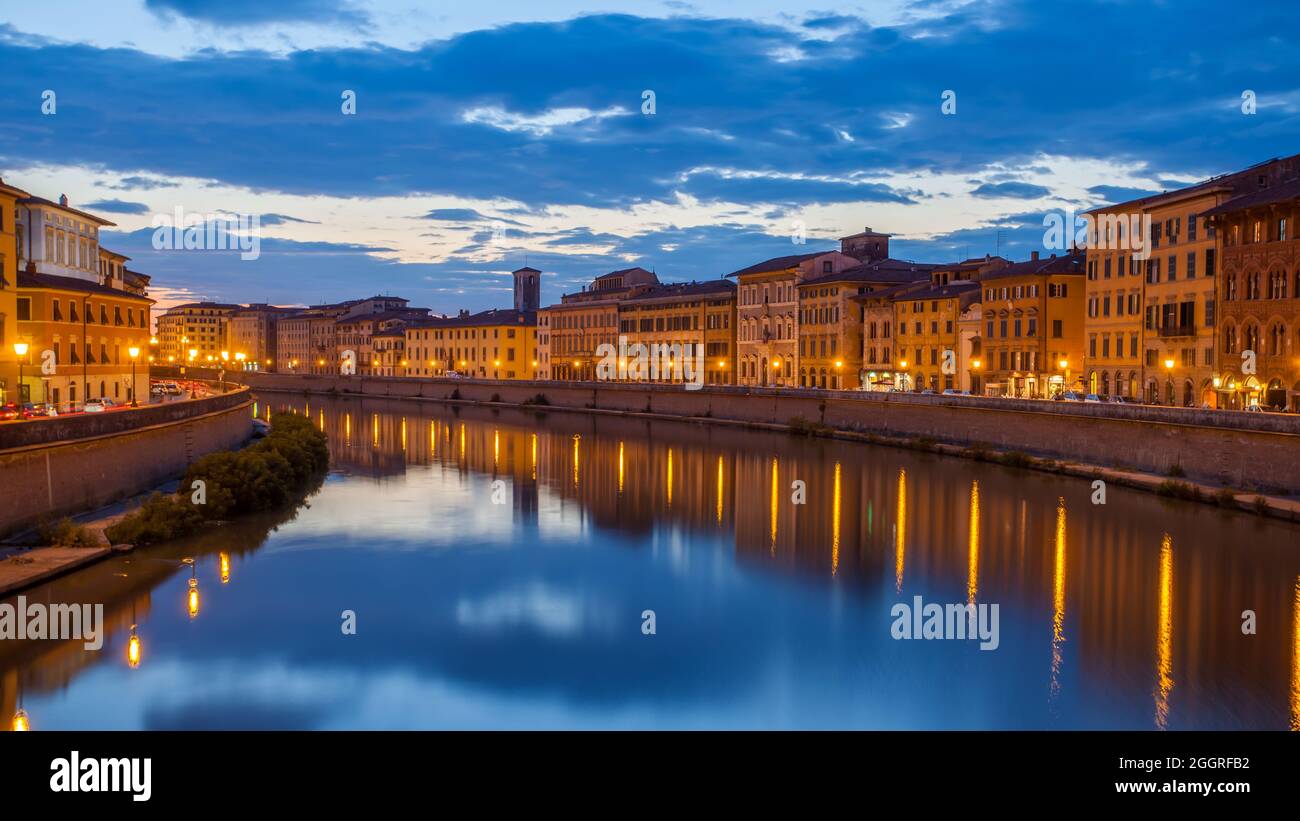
{"points": [[66, 465], [1245, 451]]}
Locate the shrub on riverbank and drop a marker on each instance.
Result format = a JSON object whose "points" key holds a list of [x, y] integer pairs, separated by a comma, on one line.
{"points": [[266, 475], [65, 533]]}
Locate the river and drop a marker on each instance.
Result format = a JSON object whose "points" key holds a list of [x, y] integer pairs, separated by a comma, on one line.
{"points": [[509, 569]]}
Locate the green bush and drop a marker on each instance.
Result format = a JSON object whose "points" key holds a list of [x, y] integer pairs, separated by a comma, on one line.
{"points": [[1016, 459], [65, 533], [1178, 490], [266, 475], [161, 517]]}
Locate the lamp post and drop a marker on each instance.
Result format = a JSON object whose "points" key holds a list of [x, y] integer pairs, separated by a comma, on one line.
{"points": [[20, 349], [1169, 386], [976, 364], [193, 352], [133, 352]]}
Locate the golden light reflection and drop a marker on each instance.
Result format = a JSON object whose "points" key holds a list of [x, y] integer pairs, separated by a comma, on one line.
{"points": [[1058, 599], [322, 421], [534, 450], [193, 598], [462, 440], [496, 447], [403, 434], [668, 481], [21, 723], [1295, 659], [900, 530], [374, 430], [576, 470], [133, 649], [973, 544], [1165, 633], [620, 467], [347, 428], [225, 568], [433, 437], [719, 490], [774, 504], [835, 522]]}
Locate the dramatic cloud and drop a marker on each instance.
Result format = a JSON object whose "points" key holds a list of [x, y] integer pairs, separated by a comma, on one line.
{"points": [[829, 122]]}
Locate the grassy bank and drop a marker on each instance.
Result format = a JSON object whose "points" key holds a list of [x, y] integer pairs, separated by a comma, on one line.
{"points": [[274, 472]]}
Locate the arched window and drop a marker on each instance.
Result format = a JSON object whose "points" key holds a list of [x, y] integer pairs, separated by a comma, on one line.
{"points": [[1230, 339], [1276, 339], [1251, 340], [1277, 285], [1230, 288]]}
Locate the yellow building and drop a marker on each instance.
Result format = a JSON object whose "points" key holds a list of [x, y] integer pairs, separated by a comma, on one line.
{"points": [[496, 344], [195, 333], [692, 319], [832, 320], [389, 351], [1033, 337], [571, 331], [927, 343]]}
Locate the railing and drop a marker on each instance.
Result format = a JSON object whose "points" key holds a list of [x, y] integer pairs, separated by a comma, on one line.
{"points": [[1178, 330]]}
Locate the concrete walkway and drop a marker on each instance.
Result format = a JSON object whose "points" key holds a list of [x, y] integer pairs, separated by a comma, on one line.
{"points": [[31, 567]]}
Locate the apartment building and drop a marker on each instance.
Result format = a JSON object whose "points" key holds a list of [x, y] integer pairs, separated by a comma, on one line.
{"points": [[695, 319]]}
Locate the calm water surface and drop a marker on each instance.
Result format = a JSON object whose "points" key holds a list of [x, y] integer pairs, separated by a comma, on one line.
{"points": [[528, 613]]}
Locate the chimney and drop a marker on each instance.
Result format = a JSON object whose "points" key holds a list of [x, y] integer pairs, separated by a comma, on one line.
{"points": [[1033, 257], [63, 200]]}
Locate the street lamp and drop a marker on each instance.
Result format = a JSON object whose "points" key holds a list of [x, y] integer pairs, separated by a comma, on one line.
{"points": [[133, 352], [20, 348], [193, 352], [1169, 385]]}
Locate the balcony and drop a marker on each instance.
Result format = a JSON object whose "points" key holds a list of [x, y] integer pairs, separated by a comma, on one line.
{"points": [[1178, 330]]}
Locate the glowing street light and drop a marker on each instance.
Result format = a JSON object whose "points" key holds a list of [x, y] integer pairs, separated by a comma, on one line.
{"points": [[134, 353], [20, 723], [20, 348]]}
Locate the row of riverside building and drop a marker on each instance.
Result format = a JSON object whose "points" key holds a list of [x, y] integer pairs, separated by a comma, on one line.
{"points": [[71, 311], [1207, 316]]}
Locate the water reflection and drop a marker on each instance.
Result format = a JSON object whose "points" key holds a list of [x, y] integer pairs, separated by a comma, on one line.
{"points": [[528, 613]]}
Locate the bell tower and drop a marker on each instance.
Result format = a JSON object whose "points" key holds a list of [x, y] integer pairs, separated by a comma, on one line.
{"points": [[528, 289]]}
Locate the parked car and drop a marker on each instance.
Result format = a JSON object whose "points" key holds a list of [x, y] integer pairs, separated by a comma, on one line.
{"points": [[10, 410], [94, 406], [1069, 396], [1092, 397], [452, 374], [1253, 409]]}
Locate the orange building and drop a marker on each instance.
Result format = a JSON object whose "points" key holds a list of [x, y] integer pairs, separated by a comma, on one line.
{"points": [[1033, 336], [767, 314], [571, 332], [695, 319]]}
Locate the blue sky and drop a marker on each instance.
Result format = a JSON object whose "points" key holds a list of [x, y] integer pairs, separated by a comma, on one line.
{"points": [[513, 132]]}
